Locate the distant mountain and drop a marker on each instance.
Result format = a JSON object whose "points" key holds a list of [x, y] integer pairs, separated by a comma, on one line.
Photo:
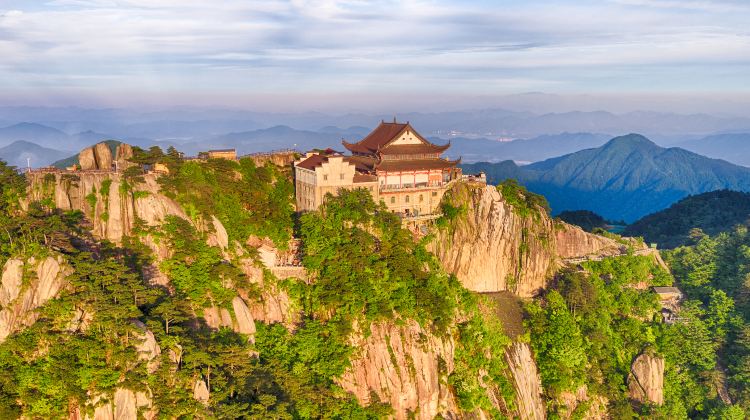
{"points": [[712, 212], [625, 179], [522, 150], [17, 152], [190, 124], [34, 133], [733, 147]]}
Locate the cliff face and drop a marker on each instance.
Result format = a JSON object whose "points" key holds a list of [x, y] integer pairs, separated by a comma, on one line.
{"points": [[646, 379], [526, 381], [26, 286], [491, 248], [401, 366], [111, 208]]}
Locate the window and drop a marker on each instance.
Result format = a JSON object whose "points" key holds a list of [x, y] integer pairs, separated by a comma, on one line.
{"points": [[407, 199], [325, 177], [341, 176], [421, 198], [393, 200], [434, 193]]}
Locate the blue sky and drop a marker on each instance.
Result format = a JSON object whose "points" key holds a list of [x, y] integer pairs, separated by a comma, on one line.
{"points": [[337, 53]]}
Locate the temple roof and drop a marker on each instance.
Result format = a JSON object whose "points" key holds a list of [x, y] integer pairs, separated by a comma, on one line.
{"points": [[385, 133], [313, 162], [415, 164], [410, 149], [317, 159], [362, 163]]}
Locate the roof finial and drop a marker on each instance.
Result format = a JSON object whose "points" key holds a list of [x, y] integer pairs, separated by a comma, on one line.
{"points": [[394, 119]]}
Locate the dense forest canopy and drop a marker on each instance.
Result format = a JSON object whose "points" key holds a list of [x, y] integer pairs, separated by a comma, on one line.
{"points": [[712, 213]]}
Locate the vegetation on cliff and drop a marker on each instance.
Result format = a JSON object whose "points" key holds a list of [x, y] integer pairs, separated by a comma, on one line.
{"points": [[364, 270], [714, 274], [592, 325], [369, 269], [248, 200]]}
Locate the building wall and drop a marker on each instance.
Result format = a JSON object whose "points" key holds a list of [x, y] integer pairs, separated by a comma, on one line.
{"points": [[311, 187], [230, 155], [415, 201]]}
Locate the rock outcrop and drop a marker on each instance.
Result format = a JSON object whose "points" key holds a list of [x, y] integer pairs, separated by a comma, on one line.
{"points": [[242, 321], [111, 208], [97, 157], [26, 286], [125, 404], [123, 153], [103, 155], [200, 391], [526, 381], [400, 365], [646, 379], [491, 248], [86, 159]]}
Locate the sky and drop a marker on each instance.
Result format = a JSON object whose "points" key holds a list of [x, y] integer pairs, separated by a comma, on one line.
{"points": [[358, 55]]}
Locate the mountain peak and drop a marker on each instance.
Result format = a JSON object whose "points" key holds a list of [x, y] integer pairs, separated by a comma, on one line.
{"points": [[630, 140]]}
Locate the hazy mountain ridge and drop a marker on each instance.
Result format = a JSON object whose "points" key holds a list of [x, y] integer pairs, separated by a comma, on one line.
{"points": [[18, 152], [198, 123], [732, 147], [627, 178]]}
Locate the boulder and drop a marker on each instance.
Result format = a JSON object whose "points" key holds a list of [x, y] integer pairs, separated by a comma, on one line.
{"points": [[103, 155], [86, 159]]}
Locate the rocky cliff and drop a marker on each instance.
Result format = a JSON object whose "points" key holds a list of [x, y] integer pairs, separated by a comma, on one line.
{"points": [[401, 365], [110, 203], [26, 285], [526, 381], [490, 247], [646, 379]]}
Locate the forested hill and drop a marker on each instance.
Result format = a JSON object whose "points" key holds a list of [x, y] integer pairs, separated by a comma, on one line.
{"points": [[200, 293], [626, 179], [712, 213]]}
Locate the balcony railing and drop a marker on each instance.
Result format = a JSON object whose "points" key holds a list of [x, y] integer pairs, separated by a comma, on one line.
{"points": [[411, 186]]}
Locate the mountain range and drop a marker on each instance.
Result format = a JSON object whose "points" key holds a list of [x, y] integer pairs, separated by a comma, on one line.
{"points": [[20, 153], [193, 124], [732, 147], [627, 178]]}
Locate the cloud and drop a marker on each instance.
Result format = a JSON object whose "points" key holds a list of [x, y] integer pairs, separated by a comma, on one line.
{"points": [[11, 14], [721, 6], [333, 46]]}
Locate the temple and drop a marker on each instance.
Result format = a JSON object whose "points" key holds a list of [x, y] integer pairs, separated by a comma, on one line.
{"points": [[394, 162]]}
